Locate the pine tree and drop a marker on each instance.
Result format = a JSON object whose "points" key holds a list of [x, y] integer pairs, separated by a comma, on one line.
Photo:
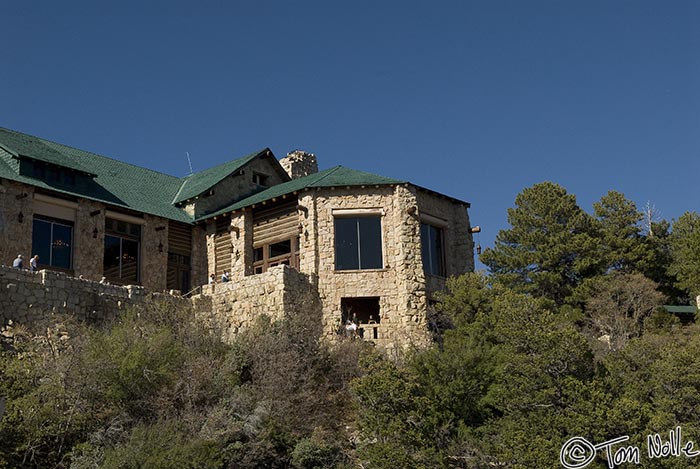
{"points": [[550, 246]]}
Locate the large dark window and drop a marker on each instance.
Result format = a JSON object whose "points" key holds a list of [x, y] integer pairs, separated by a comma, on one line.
{"points": [[432, 250], [52, 241], [358, 243], [121, 260]]}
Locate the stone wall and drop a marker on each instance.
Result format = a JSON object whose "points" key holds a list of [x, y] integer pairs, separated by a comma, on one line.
{"points": [[299, 163], [458, 240], [28, 297], [89, 240], [234, 306], [399, 285], [16, 237], [199, 273], [154, 253]]}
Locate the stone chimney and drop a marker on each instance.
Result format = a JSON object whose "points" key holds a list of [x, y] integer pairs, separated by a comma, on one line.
{"points": [[298, 164]]}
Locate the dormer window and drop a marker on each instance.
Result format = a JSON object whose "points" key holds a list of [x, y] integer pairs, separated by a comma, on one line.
{"points": [[260, 179], [51, 174]]}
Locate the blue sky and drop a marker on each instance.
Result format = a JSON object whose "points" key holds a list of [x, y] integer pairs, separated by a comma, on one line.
{"points": [[476, 100]]}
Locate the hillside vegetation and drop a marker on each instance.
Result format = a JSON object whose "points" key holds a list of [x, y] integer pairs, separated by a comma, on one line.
{"points": [[565, 337]]}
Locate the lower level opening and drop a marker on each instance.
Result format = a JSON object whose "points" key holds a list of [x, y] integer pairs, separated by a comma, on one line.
{"points": [[363, 312]]}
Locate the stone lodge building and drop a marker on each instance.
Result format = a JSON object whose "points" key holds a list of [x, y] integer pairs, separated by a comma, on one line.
{"points": [[365, 246]]}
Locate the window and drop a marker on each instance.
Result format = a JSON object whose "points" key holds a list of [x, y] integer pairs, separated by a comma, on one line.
{"points": [[280, 253], [358, 243], [260, 179], [121, 259], [432, 249], [52, 241]]}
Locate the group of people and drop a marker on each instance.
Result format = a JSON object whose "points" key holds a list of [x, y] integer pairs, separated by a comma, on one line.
{"points": [[18, 263], [225, 277]]}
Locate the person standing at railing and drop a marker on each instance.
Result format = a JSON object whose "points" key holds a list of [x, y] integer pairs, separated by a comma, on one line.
{"points": [[34, 263], [17, 263]]}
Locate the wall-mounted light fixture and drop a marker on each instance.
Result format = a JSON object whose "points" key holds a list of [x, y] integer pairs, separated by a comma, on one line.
{"points": [[20, 217], [160, 246], [95, 232]]}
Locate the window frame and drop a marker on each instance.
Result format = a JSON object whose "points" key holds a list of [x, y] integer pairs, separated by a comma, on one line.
{"points": [[123, 231], [290, 258], [52, 221], [358, 215], [433, 243]]}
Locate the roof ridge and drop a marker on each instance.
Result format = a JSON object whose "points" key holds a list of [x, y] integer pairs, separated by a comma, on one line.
{"points": [[46, 140], [328, 171], [92, 153], [179, 190]]}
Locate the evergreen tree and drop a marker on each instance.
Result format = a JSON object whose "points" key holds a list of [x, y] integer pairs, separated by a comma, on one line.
{"points": [[685, 253], [619, 230], [550, 246]]}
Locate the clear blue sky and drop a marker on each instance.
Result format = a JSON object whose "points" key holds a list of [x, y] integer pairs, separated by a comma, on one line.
{"points": [[476, 100]]}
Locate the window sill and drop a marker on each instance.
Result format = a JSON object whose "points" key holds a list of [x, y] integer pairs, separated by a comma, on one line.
{"points": [[435, 276]]}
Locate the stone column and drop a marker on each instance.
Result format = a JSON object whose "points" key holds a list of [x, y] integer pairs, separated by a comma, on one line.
{"points": [[408, 264], [16, 203], [308, 239], [154, 253], [240, 242], [199, 256], [89, 239], [299, 163]]}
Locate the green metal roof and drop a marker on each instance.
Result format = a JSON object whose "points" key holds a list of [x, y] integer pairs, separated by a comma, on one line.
{"points": [[22, 145], [198, 183], [680, 309], [333, 177], [114, 182], [143, 190]]}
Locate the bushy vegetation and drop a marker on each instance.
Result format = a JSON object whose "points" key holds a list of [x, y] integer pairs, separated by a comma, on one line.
{"points": [[158, 390], [564, 337]]}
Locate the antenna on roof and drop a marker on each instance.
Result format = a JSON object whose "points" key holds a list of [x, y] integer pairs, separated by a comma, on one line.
{"points": [[189, 161]]}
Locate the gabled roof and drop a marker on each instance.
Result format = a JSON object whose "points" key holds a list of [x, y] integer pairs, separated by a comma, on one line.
{"points": [[115, 182], [198, 183], [333, 177], [143, 190], [22, 145]]}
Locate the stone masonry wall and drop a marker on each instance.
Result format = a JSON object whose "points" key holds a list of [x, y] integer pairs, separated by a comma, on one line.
{"points": [[458, 240], [299, 163], [16, 237], [154, 259], [28, 297], [234, 306], [88, 252], [399, 284], [198, 258]]}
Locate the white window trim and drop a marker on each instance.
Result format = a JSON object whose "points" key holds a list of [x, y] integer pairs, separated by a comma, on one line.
{"points": [[124, 217], [357, 212], [54, 208], [435, 221]]}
